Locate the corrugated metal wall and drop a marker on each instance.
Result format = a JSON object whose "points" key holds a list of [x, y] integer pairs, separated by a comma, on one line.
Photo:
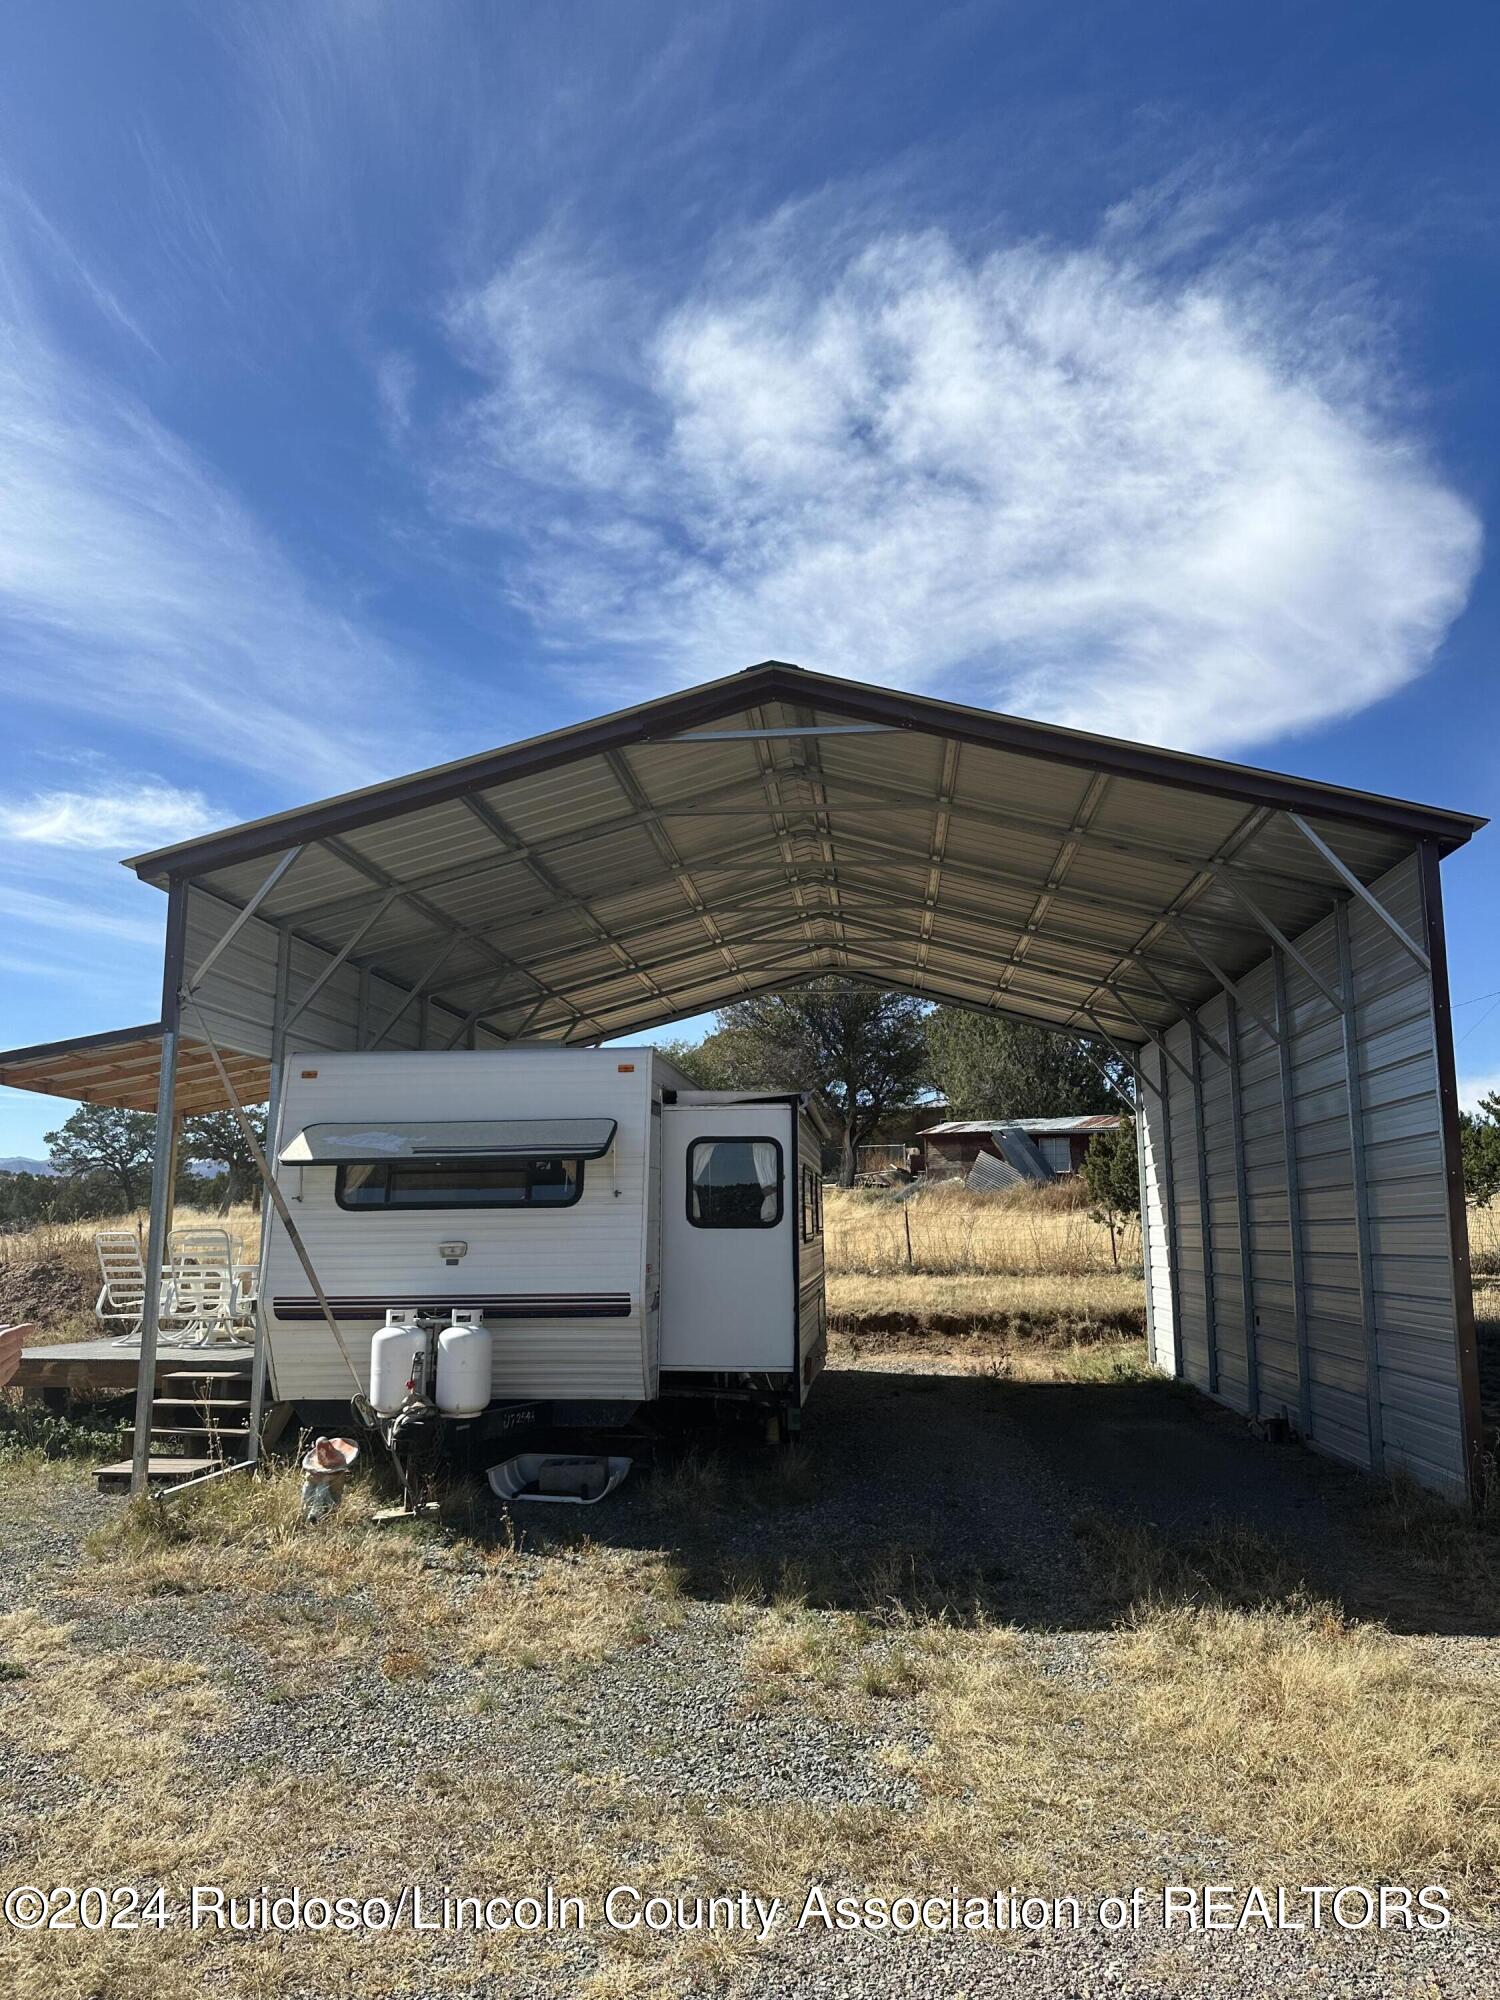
{"points": [[239, 994], [1299, 1256]]}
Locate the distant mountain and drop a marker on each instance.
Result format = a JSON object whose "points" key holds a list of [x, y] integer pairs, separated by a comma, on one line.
{"points": [[203, 1170]]}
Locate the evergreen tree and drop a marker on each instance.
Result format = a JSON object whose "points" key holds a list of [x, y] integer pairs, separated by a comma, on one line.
{"points": [[1111, 1176], [987, 1067]]}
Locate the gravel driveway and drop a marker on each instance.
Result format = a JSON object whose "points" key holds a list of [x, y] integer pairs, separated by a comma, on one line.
{"points": [[920, 1479]]}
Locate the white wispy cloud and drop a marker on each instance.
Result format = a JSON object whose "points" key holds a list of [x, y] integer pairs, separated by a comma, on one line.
{"points": [[128, 818], [33, 908], [1057, 481], [136, 587], [1472, 1088]]}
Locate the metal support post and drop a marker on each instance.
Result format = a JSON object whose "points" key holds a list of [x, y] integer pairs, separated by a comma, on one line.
{"points": [[1242, 1207], [1293, 1195], [1142, 1193], [1471, 1414], [1205, 1217], [163, 1164], [1361, 1191], [1170, 1217], [280, 1022]]}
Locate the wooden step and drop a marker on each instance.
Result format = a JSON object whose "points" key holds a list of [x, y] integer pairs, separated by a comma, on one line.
{"points": [[238, 1404], [160, 1470], [200, 1430], [237, 1371]]}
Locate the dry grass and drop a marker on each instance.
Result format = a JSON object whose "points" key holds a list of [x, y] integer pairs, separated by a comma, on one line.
{"points": [[1095, 1307], [790, 1648], [1205, 1719], [1028, 1265], [1096, 1361], [73, 1242], [151, 1804], [49, 1274], [1484, 1239], [90, 1713], [1026, 1232], [152, 1811], [577, 1605], [1211, 1723]]}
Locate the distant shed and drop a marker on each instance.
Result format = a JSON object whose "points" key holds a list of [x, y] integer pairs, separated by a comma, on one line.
{"points": [[953, 1146]]}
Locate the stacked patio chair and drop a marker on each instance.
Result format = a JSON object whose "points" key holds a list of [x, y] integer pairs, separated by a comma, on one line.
{"points": [[202, 1291], [122, 1295]]}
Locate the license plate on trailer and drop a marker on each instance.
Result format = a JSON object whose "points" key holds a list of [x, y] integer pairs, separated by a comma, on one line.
{"points": [[513, 1417]]}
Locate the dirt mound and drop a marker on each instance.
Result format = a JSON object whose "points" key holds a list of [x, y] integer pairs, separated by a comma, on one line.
{"points": [[46, 1290]]}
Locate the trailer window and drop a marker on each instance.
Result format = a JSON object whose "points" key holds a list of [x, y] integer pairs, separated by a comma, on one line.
{"points": [[470, 1183], [812, 1205], [734, 1183]]}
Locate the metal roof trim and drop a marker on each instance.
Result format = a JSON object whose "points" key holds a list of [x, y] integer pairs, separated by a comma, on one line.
{"points": [[772, 680], [1057, 1128], [74, 1044]]}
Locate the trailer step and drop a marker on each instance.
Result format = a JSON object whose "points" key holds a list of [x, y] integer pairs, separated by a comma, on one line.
{"points": [[225, 1431], [238, 1371], [163, 1471], [235, 1403]]}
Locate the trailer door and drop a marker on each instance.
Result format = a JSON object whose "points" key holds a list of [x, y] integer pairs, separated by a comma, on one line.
{"points": [[729, 1251]]}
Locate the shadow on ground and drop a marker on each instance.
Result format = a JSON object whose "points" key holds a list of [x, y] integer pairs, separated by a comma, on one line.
{"points": [[1040, 1504]]}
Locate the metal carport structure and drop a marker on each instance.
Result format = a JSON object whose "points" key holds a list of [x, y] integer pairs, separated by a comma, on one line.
{"points": [[1264, 952]]}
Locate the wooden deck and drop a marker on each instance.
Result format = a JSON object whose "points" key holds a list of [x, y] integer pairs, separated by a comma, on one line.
{"points": [[95, 1367]]}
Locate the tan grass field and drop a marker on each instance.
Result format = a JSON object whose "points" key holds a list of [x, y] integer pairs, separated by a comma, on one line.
{"points": [[945, 1231], [1029, 1262], [49, 1275], [1484, 1238], [1196, 1716], [1007, 1261]]}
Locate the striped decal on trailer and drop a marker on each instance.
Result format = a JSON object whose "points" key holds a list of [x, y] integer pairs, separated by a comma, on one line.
{"points": [[507, 1305]]}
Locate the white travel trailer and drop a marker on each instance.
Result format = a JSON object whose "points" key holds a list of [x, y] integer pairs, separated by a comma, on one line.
{"points": [[623, 1237]]}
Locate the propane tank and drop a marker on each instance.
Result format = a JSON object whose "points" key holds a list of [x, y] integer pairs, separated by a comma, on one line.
{"points": [[463, 1366], [397, 1353]]}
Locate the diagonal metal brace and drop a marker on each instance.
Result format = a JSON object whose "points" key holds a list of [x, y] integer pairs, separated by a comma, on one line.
{"points": [[278, 1199], [1188, 1013], [1123, 1054], [243, 917], [1231, 986], [343, 954], [1111, 1082], [1279, 937], [1152, 1036], [1352, 882]]}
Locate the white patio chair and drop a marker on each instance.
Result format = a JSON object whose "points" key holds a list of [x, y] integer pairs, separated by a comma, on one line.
{"points": [[203, 1288], [122, 1294], [246, 1291]]}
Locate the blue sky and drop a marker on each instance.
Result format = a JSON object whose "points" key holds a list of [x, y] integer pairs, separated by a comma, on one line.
{"points": [[381, 383]]}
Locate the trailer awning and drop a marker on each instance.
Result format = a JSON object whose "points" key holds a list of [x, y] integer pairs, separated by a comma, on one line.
{"points": [[491, 1138]]}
